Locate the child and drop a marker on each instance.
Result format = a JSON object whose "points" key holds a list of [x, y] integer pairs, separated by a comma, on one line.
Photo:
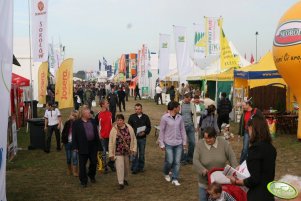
{"points": [[216, 193], [67, 141], [225, 128]]}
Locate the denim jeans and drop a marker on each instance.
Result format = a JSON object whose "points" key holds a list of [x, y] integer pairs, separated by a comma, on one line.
{"points": [[191, 142], [105, 149], [202, 194], [70, 154], [52, 129], [138, 161], [172, 160], [244, 152]]}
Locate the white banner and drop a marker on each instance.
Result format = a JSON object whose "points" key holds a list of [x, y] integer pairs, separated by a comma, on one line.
{"points": [[39, 10], [6, 58], [164, 48], [199, 42], [182, 52], [213, 36], [52, 60]]}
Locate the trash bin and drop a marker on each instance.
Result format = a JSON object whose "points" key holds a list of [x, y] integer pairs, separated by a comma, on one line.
{"points": [[35, 107], [37, 134]]}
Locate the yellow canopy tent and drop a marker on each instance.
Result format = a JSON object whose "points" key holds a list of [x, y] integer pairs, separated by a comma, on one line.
{"points": [[228, 75], [263, 73]]}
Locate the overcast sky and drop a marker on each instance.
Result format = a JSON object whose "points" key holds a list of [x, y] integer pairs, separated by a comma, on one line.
{"points": [[92, 29]]}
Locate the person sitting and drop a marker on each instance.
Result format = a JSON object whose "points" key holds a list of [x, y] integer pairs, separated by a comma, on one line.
{"points": [[226, 131], [216, 193], [211, 152]]}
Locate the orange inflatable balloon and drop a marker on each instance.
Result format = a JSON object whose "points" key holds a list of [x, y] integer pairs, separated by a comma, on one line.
{"points": [[287, 52]]}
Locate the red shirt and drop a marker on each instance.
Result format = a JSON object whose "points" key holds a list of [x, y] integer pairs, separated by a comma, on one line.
{"points": [[105, 124], [247, 118]]}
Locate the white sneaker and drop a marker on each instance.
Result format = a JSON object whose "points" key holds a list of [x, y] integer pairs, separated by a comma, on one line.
{"points": [[167, 178], [176, 182]]}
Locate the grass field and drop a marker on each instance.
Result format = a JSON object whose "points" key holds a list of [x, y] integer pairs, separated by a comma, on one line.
{"points": [[34, 175]]}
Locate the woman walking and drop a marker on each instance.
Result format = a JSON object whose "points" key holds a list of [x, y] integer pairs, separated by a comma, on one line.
{"points": [[122, 144]]}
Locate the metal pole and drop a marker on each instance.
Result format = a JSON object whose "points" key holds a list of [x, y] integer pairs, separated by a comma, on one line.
{"points": [[31, 81], [256, 34]]}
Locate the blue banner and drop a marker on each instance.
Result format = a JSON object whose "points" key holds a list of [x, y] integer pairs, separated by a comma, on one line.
{"points": [[257, 74]]}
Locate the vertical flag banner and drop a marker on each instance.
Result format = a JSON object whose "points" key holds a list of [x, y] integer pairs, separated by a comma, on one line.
{"points": [[65, 87], [133, 65], [39, 10], [43, 82], [199, 42], [164, 48], [182, 52], [122, 65], [6, 58], [52, 60], [213, 35], [228, 60], [57, 85]]}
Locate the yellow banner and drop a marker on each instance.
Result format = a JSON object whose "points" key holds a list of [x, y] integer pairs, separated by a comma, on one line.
{"points": [[65, 84], [57, 83], [42, 82], [228, 60]]}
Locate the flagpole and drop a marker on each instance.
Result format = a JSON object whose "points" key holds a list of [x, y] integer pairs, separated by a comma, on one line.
{"points": [[30, 62]]}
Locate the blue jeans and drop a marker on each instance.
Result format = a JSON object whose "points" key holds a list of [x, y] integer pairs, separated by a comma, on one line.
{"points": [[172, 160], [105, 148], [203, 194], [138, 161], [244, 152], [70, 154], [191, 142]]}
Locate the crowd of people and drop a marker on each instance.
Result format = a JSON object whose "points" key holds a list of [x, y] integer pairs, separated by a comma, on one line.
{"points": [[193, 131]]}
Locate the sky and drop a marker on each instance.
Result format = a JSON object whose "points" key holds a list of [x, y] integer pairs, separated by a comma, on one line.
{"points": [[93, 29]]}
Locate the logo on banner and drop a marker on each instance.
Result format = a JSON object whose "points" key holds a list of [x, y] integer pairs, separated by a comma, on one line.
{"points": [[282, 190], [164, 45], [181, 39], [41, 6], [65, 85], [288, 34], [1, 156]]}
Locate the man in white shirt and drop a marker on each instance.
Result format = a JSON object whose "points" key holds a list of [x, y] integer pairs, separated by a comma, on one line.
{"points": [[53, 122], [159, 94], [208, 101]]}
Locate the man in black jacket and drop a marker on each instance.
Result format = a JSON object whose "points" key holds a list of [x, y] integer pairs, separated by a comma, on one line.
{"points": [[121, 98], [85, 141], [113, 100], [142, 127], [224, 108]]}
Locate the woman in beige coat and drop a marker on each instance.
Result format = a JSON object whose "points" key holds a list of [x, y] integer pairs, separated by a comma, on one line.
{"points": [[122, 144]]}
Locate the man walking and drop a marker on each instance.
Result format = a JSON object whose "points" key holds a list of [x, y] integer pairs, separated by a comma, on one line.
{"points": [[53, 122], [249, 111], [172, 139], [142, 127], [159, 94], [187, 111], [85, 141], [224, 108], [121, 98], [113, 100]]}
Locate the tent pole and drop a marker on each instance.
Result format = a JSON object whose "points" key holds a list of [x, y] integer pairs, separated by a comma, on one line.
{"points": [[31, 81]]}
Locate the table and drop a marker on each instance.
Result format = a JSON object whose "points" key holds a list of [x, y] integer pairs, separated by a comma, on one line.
{"points": [[287, 123]]}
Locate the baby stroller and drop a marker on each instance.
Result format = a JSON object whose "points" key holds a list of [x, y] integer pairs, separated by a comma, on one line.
{"points": [[235, 191]]}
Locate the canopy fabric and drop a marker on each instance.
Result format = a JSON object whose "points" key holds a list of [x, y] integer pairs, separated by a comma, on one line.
{"points": [[19, 80], [264, 69], [225, 76]]}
